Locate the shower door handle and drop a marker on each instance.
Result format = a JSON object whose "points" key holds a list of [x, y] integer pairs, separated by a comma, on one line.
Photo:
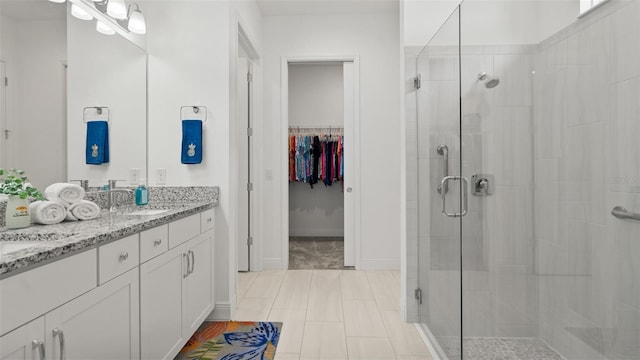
{"points": [[465, 198], [443, 150]]}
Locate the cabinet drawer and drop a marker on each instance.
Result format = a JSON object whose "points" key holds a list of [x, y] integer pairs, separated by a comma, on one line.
{"points": [[183, 230], [154, 242], [207, 220], [26, 296], [117, 257]]}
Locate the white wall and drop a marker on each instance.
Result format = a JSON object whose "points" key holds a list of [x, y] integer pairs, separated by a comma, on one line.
{"points": [[192, 47], [375, 38], [35, 52], [316, 99], [106, 71]]}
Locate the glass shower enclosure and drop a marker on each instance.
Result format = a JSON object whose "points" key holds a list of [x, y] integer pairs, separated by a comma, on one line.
{"points": [[528, 182]]}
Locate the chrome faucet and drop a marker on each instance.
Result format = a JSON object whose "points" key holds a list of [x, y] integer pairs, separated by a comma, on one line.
{"points": [[84, 184], [112, 190]]}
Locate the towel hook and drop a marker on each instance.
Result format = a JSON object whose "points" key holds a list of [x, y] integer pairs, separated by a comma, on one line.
{"points": [[98, 110], [195, 109]]}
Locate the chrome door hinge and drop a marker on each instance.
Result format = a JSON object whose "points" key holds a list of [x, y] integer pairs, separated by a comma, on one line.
{"points": [[249, 186], [418, 294], [417, 81], [249, 132], [249, 77], [250, 241]]}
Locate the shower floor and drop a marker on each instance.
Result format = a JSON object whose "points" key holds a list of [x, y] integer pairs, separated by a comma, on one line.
{"points": [[499, 349]]}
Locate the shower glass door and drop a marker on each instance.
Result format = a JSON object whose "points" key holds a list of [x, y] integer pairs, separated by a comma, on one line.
{"points": [[441, 195]]}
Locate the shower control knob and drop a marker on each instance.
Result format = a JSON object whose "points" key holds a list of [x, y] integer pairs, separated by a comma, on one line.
{"points": [[349, 189]]}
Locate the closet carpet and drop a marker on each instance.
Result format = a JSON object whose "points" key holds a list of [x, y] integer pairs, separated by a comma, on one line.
{"points": [[306, 253]]}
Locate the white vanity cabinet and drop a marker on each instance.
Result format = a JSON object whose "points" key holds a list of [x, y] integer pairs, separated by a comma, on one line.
{"points": [[176, 290], [24, 343], [131, 298], [101, 324]]}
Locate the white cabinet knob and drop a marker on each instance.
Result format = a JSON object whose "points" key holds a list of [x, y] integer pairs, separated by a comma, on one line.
{"points": [[349, 189]]}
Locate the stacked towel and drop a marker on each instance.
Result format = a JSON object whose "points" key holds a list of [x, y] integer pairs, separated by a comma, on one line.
{"points": [[47, 212], [70, 198], [83, 210], [65, 193]]}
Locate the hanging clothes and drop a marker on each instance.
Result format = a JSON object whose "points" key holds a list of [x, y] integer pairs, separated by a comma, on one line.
{"points": [[316, 158]]}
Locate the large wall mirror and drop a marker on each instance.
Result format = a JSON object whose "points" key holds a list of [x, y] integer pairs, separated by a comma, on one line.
{"points": [[58, 65]]}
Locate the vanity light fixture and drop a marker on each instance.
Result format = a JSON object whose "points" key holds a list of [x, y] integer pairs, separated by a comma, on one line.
{"points": [[135, 22], [80, 13], [58, 1], [104, 28], [117, 9]]}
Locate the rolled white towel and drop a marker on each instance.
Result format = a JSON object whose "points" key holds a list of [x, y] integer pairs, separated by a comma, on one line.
{"points": [[67, 193], [83, 210], [47, 212]]}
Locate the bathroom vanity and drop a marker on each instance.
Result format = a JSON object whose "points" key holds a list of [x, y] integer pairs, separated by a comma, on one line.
{"points": [[132, 284]]}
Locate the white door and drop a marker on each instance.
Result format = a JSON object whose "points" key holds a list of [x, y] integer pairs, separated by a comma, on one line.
{"points": [[3, 117], [198, 285], [101, 324], [161, 298], [24, 343], [349, 163], [243, 123]]}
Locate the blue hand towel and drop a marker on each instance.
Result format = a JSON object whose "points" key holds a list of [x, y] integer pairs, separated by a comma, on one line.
{"points": [[191, 142], [97, 149]]}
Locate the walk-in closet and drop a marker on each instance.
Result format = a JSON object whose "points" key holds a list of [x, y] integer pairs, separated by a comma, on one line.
{"points": [[317, 165]]}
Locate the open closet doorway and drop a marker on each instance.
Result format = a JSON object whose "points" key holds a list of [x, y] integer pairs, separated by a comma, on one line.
{"points": [[244, 151], [321, 114]]}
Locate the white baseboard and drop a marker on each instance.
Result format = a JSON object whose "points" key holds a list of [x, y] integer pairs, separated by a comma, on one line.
{"points": [[379, 264], [222, 312], [272, 264], [317, 232]]}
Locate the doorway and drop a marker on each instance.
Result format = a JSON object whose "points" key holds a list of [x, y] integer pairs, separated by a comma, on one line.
{"points": [[320, 114]]}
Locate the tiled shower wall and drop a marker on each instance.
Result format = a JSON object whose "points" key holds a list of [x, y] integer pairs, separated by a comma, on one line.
{"points": [[587, 160]]}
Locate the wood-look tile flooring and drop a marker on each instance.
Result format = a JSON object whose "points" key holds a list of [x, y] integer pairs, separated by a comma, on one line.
{"points": [[331, 314]]}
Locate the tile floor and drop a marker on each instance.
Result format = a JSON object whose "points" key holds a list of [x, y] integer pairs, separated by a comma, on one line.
{"points": [[331, 314]]}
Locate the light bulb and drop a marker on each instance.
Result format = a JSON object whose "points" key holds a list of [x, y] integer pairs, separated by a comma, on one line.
{"points": [[58, 1], [117, 9], [80, 13], [137, 25], [104, 28]]}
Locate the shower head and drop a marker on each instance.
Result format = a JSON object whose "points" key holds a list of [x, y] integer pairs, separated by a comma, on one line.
{"points": [[489, 81]]}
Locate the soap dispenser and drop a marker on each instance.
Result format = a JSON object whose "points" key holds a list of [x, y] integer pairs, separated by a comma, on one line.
{"points": [[142, 194]]}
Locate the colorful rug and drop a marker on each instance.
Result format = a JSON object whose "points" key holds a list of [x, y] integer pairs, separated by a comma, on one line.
{"points": [[233, 340]]}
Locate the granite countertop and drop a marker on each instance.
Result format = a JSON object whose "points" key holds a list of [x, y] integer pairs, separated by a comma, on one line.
{"points": [[57, 241]]}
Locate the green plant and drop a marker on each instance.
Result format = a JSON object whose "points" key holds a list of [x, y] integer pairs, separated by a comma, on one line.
{"points": [[15, 182]]}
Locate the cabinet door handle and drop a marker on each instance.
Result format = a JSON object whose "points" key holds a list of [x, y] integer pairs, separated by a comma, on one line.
{"points": [[40, 345], [124, 256], [157, 242], [193, 261], [60, 334], [184, 255]]}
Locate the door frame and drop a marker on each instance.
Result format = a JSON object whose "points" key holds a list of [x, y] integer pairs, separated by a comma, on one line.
{"points": [[3, 115], [284, 158]]}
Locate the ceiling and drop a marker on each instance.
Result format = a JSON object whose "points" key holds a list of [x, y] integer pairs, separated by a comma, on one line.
{"points": [[326, 7], [32, 9]]}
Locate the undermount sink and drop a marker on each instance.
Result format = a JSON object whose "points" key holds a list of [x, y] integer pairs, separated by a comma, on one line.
{"points": [[148, 212]]}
